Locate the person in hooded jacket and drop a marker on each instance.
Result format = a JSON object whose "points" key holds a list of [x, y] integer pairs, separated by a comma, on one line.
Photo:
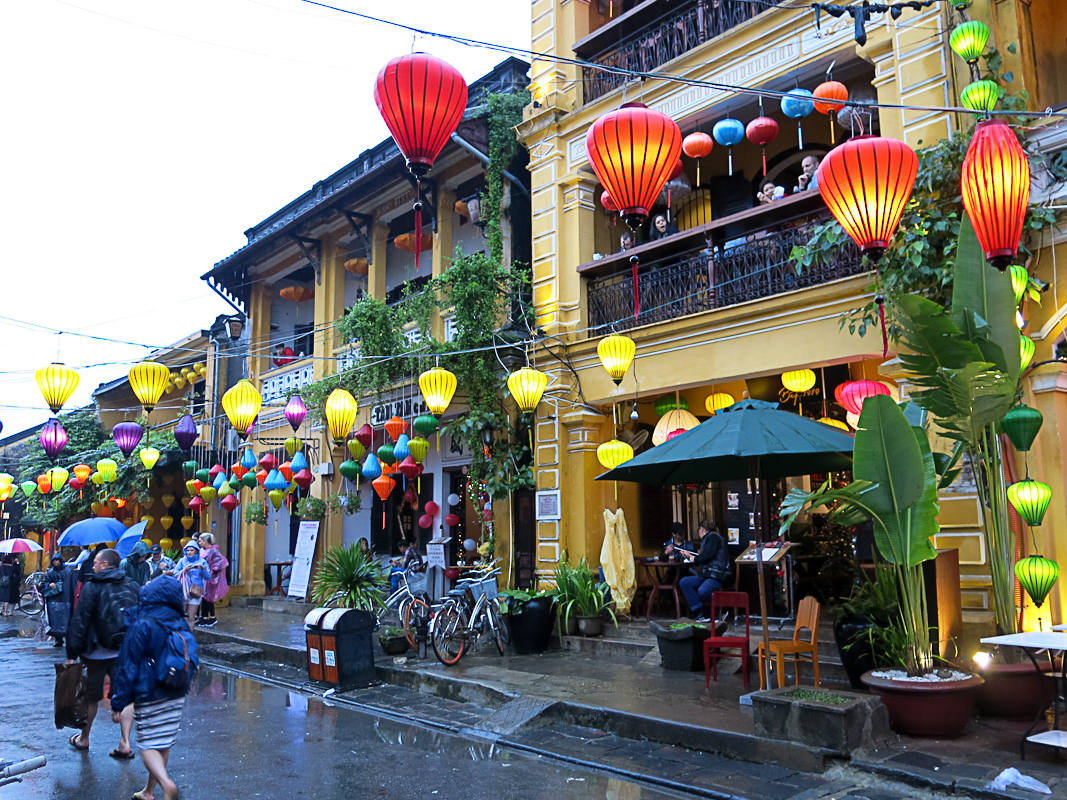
{"points": [[58, 598], [193, 572], [157, 709], [86, 570], [136, 564]]}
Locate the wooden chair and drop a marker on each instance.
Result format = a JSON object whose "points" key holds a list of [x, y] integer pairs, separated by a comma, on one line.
{"points": [[807, 617], [734, 601]]}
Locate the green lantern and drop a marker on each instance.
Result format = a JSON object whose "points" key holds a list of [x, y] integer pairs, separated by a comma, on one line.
{"points": [[385, 454], [969, 39], [1022, 424], [1020, 279], [349, 469], [668, 402], [190, 468], [250, 480], [1030, 499], [203, 475], [1026, 352], [425, 424], [1037, 575], [980, 96], [961, 4]]}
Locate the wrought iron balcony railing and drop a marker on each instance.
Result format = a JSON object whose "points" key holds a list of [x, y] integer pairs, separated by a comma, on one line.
{"points": [[680, 28], [750, 266]]}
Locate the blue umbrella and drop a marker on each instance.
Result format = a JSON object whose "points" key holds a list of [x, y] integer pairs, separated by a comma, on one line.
{"points": [[130, 537], [91, 531]]}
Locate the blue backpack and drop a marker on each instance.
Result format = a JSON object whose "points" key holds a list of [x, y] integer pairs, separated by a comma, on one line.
{"points": [[178, 660]]}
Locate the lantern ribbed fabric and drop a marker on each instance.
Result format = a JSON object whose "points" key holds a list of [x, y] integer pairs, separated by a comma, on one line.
{"points": [[127, 436], [761, 132], [633, 151], [866, 183], [980, 96], [53, 438], [852, 394], [383, 485], [241, 403], [674, 420], [697, 145], [341, 408], [422, 99], [57, 476], [82, 472], [829, 97], [57, 383], [666, 402], [295, 411], [1026, 352], [616, 353], [613, 453], [395, 426], [1020, 279], [1022, 425], [798, 380], [1037, 575], [527, 386], [438, 386], [718, 401], [1030, 499], [968, 40], [149, 457], [836, 423], [108, 469], [995, 181], [148, 380]]}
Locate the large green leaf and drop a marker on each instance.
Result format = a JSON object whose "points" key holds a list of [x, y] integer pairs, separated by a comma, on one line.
{"points": [[886, 454], [933, 340], [987, 292], [970, 399], [921, 518]]}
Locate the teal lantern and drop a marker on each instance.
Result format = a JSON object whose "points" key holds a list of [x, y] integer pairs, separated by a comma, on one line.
{"points": [[969, 39], [980, 96], [1030, 499], [1037, 575], [1022, 424], [349, 469]]}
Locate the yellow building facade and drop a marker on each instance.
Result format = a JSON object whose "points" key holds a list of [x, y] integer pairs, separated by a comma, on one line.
{"points": [[723, 307]]}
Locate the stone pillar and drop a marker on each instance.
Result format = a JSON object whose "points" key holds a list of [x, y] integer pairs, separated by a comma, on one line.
{"points": [[376, 276], [329, 306], [442, 249], [582, 500], [259, 310]]}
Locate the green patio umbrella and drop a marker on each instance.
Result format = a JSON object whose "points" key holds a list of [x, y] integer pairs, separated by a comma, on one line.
{"points": [[750, 439]]}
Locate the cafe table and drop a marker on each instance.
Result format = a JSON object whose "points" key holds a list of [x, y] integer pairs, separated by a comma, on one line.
{"points": [[277, 583], [657, 579], [1036, 642]]}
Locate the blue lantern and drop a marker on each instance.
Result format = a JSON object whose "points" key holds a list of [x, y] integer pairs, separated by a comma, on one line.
{"points": [[299, 462], [248, 459], [798, 103], [275, 480], [400, 448], [728, 132], [372, 468], [219, 480]]}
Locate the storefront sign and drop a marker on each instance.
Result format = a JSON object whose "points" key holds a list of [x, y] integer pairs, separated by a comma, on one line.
{"points": [[405, 408], [435, 553], [548, 506], [306, 536]]}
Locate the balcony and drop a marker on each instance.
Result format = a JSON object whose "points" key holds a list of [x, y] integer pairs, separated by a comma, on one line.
{"points": [[289, 377], [630, 42], [729, 261]]}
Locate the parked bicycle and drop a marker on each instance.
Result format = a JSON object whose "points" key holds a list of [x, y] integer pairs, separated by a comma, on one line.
{"points": [[31, 601], [471, 610], [11, 771], [411, 602]]}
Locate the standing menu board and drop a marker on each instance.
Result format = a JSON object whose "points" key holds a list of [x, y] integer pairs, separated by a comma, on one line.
{"points": [[306, 537]]}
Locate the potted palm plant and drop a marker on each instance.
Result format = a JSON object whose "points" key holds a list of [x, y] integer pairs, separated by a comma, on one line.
{"points": [[860, 620], [393, 641], [567, 580], [590, 601], [349, 578], [895, 486]]}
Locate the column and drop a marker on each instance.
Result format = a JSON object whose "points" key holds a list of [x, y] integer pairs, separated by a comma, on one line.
{"points": [[442, 252], [376, 276], [259, 310], [329, 306]]}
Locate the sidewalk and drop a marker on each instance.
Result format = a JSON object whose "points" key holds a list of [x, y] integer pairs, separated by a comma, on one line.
{"points": [[608, 710]]}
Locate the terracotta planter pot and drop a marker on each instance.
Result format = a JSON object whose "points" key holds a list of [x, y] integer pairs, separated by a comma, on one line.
{"points": [[1013, 691], [590, 626], [940, 709]]}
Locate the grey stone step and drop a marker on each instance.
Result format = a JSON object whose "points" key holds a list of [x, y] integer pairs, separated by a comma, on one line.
{"points": [[608, 645], [278, 605], [230, 651]]}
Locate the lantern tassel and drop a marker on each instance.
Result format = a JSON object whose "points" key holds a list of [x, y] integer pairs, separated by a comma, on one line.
{"points": [[637, 295], [885, 333], [418, 226], [833, 134], [698, 173], [800, 135], [764, 162]]}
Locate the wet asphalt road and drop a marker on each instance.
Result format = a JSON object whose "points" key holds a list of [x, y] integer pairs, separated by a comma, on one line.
{"points": [[242, 739]]}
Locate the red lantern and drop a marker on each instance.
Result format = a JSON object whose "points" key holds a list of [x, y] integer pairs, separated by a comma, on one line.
{"points": [[197, 504], [268, 462], [995, 182], [396, 426], [422, 99], [215, 470], [408, 468], [762, 131], [304, 479], [829, 98], [854, 393], [229, 502], [633, 152], [866, 183], [609, 204], [365, 436], [697, 145]]}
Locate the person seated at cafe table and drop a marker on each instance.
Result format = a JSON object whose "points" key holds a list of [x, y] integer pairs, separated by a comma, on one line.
{"points": [[714, 568], [679, 548]]}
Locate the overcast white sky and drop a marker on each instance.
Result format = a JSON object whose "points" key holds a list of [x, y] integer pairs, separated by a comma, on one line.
{"points": [[141, 138]]}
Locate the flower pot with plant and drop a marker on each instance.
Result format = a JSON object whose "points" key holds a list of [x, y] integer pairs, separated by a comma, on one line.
{"points": [[312, 509], [590, 601], [857, 622], [393, 641], [529, 619], [681, 644], [567, 578], [255, 513]]}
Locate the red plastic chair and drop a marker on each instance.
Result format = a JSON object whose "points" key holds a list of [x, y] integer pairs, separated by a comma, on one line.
{"points": [[722, 644]]}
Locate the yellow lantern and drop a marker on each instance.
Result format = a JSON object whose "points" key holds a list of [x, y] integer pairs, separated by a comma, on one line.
{"points": [[200, 369], [179, 381], [108, 470], [58, 476], [614, 452], [149, 457], [166, 543], [149, 521], [527, 386], [835, 423], [241, 403], [128, 523], [148, 380], [673, 420], [57, 383], [166, 521], [187, 523], [799, 380], [438, 386], [717, 401], [341, 408], [616, 354], [168, 500]]}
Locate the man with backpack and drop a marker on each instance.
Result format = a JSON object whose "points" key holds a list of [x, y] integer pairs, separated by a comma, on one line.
{"points": [[153, 674], [95, 634]]}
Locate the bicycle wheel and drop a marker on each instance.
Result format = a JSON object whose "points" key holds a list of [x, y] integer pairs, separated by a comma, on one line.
{"points": [[30, 603], [496, 627], [416, 613], [504, 632], [448, 630]]}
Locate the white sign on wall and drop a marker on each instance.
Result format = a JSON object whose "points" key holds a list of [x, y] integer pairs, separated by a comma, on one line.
{"points": [[307, 535]]}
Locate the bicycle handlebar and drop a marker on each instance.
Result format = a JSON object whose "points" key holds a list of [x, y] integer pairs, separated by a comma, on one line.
{"points": [[20, 767]]}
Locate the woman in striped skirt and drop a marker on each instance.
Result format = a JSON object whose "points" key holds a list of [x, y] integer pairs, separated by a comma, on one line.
{"points": [[157, 707]]}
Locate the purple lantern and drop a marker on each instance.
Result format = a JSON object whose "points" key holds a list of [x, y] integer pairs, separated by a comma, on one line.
{"points": [[185, 433], [127, 436], [295, 411], [53, 438], [248, 430]]}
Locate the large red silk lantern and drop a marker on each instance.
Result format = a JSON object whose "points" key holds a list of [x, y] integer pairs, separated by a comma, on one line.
{"points": [[633, 152], [866, 183], [762, 131], [853, 394], [995, 182]]}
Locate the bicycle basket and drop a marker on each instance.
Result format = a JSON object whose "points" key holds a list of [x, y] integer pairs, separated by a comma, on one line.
{"points": [[486, 587], [417, 583]]}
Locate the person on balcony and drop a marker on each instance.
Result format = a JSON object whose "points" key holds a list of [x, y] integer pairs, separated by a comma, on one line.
{"points": [[770, 193], [626, 242], [808, 179], [661, 228], [283, 354]]}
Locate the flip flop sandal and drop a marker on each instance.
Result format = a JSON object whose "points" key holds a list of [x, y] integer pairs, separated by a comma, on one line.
{"points": [[72, 740], [118, 754]]}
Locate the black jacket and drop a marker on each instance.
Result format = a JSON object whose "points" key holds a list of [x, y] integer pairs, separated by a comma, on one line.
{"points": [[713, 560], [81, 633]]}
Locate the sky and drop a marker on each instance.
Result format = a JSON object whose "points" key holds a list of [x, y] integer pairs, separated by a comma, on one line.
{"points": [[141, 138]]}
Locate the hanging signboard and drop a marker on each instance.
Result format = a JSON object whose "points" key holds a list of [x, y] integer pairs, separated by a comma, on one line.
{"points": [[306, 537]]}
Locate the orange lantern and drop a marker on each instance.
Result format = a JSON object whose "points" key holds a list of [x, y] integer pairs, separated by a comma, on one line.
{"points": [[697, 145], [82, 472], [995, 182], [357, 266], [383, 485], [396, 426], [411, 243], [866, 183], [829, 98], [633, 152], [297, 294]]}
